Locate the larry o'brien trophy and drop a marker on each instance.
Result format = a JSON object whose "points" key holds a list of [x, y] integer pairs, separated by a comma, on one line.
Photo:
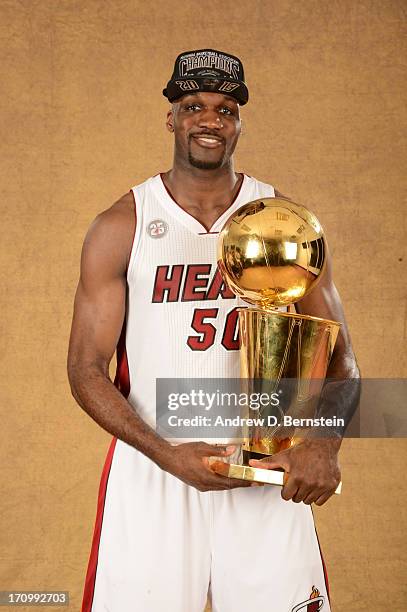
{"points": [[271, 253]]}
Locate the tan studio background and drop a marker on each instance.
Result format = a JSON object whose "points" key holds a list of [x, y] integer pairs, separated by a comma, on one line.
{"points": [[82, 120]]}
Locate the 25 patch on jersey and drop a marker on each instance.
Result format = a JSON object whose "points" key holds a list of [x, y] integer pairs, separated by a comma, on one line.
{"points": [[157, 228]]}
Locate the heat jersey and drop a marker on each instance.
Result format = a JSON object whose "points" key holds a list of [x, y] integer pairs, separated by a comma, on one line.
{"points": [[182, 320], [158, 543]]}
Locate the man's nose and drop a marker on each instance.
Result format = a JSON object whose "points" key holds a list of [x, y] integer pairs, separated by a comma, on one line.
{"points": [[210, 119]]}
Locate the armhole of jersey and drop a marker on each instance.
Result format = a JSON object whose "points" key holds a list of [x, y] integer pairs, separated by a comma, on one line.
{"points": [[273, 191], [137, 232], [265, 189]]}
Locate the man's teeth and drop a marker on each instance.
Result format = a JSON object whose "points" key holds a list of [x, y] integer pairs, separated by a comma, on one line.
{"points": [[210, 140]]}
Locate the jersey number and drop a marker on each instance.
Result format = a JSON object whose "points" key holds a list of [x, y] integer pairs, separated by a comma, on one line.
{"points": [[201, 323]]}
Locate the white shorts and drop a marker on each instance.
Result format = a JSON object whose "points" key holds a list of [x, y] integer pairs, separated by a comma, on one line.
{"points": [[159, 545]]}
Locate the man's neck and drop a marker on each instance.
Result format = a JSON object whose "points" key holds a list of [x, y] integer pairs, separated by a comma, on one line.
{"points": [[205, 194]]}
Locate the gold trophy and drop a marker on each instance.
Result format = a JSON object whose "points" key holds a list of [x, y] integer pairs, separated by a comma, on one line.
{"points": [[271, 253]]}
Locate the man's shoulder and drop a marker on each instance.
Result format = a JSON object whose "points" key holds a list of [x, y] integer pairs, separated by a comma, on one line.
{"points": [[278, 194], [110, 235], [118, 216], [123, 206]]}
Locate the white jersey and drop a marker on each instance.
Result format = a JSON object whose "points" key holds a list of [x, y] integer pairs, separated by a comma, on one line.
{"points": [[159, 543], [181, 318]]}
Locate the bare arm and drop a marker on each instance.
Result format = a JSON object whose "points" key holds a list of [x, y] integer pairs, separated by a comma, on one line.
{"points": [[313, 465], [99, 312], [340, 395], [324, 301], [98, 317]]}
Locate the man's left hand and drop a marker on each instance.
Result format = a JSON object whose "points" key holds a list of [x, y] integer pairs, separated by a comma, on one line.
{"points": [[311, 468]]}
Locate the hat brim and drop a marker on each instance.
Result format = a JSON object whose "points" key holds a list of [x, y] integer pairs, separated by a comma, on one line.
{"points": [[183, 86]]}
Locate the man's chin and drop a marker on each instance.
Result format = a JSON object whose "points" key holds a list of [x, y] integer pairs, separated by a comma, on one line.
{"points": [[205, 164]]}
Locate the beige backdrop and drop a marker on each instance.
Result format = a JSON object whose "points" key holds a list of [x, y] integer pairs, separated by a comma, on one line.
{"points": [[82, 119]]}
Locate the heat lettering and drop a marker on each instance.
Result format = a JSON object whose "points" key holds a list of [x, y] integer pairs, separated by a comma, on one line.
{"points": [[172, 285]]}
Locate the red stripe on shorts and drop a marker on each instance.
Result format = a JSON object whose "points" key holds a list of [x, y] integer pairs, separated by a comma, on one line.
{"points": [[122, 382], [322, 560], [94, 553], [323, 567]]}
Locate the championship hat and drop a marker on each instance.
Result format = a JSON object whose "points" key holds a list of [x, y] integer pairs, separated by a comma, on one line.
{"points": [[207, 70]]}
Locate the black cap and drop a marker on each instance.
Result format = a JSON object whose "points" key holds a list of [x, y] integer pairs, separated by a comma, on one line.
{"points": [[207, 70]]}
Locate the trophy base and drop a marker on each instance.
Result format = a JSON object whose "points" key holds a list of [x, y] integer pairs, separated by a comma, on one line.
{"points": [[247, 472]]}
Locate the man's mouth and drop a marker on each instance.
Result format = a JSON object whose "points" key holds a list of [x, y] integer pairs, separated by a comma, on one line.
{"points": [[208, 141]]}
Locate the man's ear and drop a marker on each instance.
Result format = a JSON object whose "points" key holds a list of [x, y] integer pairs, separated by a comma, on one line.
{"points": [[170, 121]]}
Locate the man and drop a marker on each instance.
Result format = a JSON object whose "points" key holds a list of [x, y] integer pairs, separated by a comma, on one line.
{"points": [[167, 527]]}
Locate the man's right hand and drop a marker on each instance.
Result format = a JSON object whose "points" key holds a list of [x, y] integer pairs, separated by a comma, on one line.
{"points": [[188, 462]]}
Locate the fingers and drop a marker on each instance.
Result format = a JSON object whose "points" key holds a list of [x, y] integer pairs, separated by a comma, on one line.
{"points": [[300, 491], [324, 498], [220, 483], [311, 497], [232, 483], [216, 480], [209, 450], [290, 489], [262, 464], [306, 495], [235, 483], [279, 460]]}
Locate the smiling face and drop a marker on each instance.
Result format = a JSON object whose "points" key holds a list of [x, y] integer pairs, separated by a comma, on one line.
{"points": [[206, 126]]}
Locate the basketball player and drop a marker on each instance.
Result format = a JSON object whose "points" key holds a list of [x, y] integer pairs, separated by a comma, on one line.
{"points": [[167, 527]]}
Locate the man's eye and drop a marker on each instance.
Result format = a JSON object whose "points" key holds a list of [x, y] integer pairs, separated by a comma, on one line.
{"points": [[226, 111], [193, 107]]}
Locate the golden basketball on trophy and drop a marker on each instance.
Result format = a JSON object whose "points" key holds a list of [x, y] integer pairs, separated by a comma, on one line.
{"points": [[271, 253]]}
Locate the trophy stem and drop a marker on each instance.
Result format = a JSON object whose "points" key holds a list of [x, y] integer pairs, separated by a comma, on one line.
{"points": [[288, 351]]}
